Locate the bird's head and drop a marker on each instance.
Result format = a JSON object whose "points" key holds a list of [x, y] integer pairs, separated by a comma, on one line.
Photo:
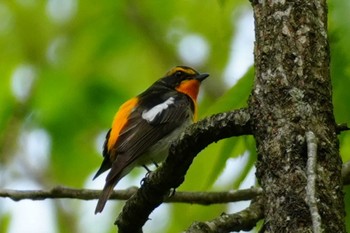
{"points": [[184, 79]]}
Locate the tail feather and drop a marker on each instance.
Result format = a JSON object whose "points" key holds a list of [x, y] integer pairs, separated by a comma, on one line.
{"points": [[119, 169], [105, 195]]}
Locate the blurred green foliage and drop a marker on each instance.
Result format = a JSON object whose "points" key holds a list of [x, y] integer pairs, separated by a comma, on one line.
{"points": [[82, 60]]}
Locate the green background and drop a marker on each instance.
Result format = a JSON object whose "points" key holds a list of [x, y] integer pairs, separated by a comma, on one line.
{"points": [[66, 66]]}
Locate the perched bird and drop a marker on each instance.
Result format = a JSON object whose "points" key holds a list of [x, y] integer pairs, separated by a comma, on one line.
{"points": [[144, 126]]}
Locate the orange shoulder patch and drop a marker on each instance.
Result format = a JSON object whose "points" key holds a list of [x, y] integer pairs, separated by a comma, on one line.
{"points": [[119, 121]]}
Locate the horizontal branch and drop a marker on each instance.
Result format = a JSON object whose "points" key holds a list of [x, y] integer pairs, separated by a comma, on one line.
{"points": [[64, 192], [209, 198], [243, 220], [201, 198]]}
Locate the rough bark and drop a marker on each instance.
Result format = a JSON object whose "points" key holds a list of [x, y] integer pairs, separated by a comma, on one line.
{"points": [[292, 95]]}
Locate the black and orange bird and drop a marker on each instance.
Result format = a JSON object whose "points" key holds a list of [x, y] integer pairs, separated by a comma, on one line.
{"points": [[144, 126]]}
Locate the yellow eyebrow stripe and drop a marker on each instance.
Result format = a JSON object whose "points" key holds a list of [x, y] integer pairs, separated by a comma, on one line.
{"points": [[183, 69]]}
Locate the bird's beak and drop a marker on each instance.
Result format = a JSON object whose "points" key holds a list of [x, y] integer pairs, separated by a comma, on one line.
{"points": [[201, 77]]}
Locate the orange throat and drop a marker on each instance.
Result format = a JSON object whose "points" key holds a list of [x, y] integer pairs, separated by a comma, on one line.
{"points": [[190, 88]]}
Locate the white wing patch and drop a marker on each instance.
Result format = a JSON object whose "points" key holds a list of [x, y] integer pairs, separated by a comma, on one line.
{"points": [[150, 115]]}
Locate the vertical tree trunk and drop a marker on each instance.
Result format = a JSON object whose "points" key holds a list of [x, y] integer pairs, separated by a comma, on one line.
{"points": [[292, 95]]}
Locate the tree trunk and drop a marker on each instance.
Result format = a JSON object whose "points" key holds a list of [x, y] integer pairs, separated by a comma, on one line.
{"points": [[292, 95]]}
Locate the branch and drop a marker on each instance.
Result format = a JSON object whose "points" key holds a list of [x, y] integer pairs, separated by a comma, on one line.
{"points": [[243, 220], [172, 172], [346, 173], [201, 198], [342, 127], [64, 192], [311, 181], [209, 198]]}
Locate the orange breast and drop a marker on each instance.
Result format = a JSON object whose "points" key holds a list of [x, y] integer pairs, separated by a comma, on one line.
{"points": [[119, 121]]}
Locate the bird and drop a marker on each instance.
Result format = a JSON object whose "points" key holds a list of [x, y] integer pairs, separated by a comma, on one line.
{"points": [[144, 126]]}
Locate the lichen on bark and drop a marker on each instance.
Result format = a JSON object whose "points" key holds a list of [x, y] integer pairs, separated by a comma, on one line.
{"points": [[292, 95]]}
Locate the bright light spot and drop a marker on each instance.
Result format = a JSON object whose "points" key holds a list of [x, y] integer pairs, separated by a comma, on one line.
{"points": [[88, 219], [160, 219], [36, 145], [177, 30], [56, 45], [241, 57], [22, 81], [32, 217], [248, 182], [233, 168], [100, 140], [27, 215], [6, 22], [193, 50], [60, 11], [174, 35]]}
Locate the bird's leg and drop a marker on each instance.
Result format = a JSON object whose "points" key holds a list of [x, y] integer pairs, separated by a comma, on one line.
{"points": [[148, 171], [146, 176]]}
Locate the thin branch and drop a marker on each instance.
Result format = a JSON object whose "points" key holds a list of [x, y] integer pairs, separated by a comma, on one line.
{"points": [[342, 127], [201, 198], [311, 181], [243, 220], [172, 172], [209, 198], [64, 192], [346, 173]]}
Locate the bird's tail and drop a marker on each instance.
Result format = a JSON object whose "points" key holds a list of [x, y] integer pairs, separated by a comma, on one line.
{"points": [[106, 193]]}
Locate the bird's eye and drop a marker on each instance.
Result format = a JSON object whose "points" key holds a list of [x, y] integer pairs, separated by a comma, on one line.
{"points": [[178, 74]]}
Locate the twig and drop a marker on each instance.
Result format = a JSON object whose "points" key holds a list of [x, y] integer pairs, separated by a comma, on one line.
{"points": [[209, 198], [346, 173], [172, 172], [201, 198], [243, 220], [311, 181], [342, 127]]}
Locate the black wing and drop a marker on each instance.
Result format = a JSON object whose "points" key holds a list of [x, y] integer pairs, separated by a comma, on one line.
{"points": [[139, 134]]}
